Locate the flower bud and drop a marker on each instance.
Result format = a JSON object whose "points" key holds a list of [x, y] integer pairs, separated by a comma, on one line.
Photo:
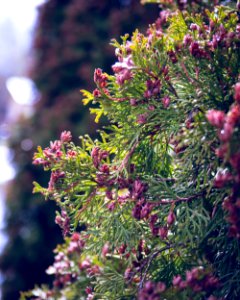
{"points": [[171, 218], [166, 101], [66, 137], [163, 231]]}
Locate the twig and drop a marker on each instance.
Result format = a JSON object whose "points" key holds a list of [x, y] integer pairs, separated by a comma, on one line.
{"points": [[186, 72], [179, 199], [165, 179], [72, 185], [93, 193], [172, 89], [151, 258], [127, 157]]}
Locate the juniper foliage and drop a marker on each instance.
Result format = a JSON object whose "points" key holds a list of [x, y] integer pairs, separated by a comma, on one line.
{"points": [[151, 209]]}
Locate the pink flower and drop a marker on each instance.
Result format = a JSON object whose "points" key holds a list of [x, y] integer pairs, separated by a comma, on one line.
{"points": [[146, 209], [133, 102], [100, 78], [177, 280], [85, 264], [96, 93], [222, 178], [128, 273], [163, 231], [71, 154], [66, 137], [194, 27], [123, 69], [123, 76], [105, 249], [54, 146], [126, 63], [39, 161], [197, 50], [237, 92], [166, 101], [94, 270], [142, 119], [88, 290], [111, 206], [233, 116], [221, 151], [171, 218], [153, 88], [216, 118], [138, 188], [226, 133]]}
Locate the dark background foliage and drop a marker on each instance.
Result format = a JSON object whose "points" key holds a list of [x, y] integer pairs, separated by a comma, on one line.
{"points": [[72, 38]]}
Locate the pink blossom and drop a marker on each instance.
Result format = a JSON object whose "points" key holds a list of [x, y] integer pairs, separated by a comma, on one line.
{"points": [[153, 88], [96, 93], [163, 231], [85, 264], [94, 270], [187, 40], [126, 63], [171, 218], [71, 154], [123, 76], [226, 133], [105, 249], [233, 116], [56, 145], [111, 206], [138, 189], [100, 78], [123, 69], [221, 151], [39, 161], [216, 117], [177, 280], [166, 101], [133, 102], [66, 137], [194, 27], [142, 118], [222, 178]]}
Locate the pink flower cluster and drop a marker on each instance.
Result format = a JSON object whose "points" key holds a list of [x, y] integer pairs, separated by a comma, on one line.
{"points": [[67, 269], [198, 280], [54, 153], [63, 269], [63, 221], [122, 69], [100, 78], [206, 39], [226, 123], [98, 155], [228, 126], [50, 156], [152, 291], [153, 88]]}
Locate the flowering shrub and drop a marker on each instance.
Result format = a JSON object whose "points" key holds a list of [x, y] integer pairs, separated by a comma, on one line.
{"points": [[150, 210]]}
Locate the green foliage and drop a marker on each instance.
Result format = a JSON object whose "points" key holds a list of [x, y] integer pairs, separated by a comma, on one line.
{"points": [[148, 196]]}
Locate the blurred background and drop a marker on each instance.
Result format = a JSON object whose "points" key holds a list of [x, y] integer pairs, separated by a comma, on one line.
{"points": [[49, 50]]}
